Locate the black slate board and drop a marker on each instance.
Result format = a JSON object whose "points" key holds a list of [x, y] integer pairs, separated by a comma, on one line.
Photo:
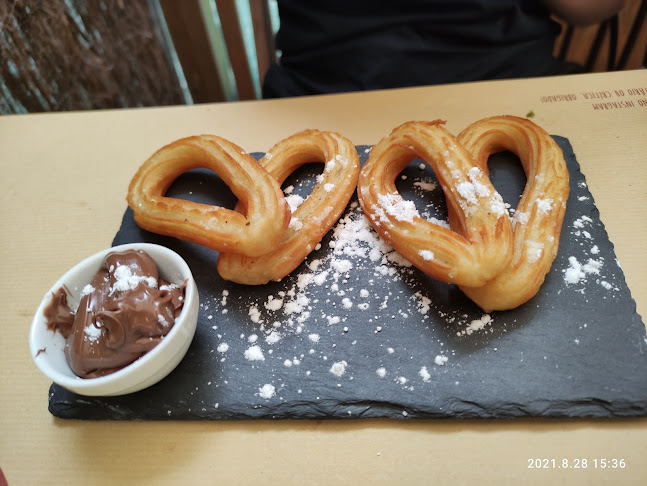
{"points": [[575, 350]]}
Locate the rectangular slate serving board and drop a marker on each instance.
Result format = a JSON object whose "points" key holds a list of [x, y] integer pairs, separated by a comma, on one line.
{"points": [[354, 333]]}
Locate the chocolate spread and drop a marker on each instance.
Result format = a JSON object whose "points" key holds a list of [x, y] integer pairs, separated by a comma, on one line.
{"points": [[124, 312]]}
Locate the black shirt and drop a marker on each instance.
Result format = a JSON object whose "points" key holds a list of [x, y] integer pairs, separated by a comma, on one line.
{"points": [[332, 46]]}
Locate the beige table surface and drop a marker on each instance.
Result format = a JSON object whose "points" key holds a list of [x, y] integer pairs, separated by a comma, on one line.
{"points": [[63, 180]]}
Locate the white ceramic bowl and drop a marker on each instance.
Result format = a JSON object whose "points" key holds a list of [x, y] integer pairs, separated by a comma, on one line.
{"points": [[144, 372]]}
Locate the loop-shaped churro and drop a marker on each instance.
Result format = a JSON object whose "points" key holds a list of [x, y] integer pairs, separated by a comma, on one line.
{"points": [[252, 232], [537, 220], [313, 218], [482, 246]]}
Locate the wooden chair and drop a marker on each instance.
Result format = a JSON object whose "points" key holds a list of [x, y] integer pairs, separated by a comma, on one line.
{"points": [[616, 44], [619, 43], [187, 26]]}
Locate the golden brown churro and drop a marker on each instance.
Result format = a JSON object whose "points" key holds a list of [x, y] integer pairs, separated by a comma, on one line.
{"points": [[253, 232], [314, 217]]}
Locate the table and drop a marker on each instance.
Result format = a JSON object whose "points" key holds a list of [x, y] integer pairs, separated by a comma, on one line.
{"points": [[63, 181]]}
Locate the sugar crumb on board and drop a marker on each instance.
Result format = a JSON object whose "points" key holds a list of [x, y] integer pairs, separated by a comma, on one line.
{"points": [[586, 264], [267, 391]]}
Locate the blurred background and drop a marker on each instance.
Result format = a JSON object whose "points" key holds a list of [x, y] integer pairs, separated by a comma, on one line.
{"points": [[61, 55]]}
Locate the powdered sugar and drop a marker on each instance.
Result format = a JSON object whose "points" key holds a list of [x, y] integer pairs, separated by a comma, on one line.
{"points": [[395, 206], [578, 272], [520, 218], [125, 279], [534, 251], [273, 337], [589, 264], [267, 391], [92, 333], [467, 192], [497, 206], [294, 201], [426, 255], [474, 190], [544, 206], [425, 185], [254, 353], [424, 374], [476, 325], [339, 368], [295, 224], [87, 290]]}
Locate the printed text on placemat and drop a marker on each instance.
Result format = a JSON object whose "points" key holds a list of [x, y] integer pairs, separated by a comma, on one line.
{"points": [[612, 99]]}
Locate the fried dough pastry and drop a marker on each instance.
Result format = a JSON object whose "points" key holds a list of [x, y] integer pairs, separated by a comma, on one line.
{"points": [[480, 248], [251, 232], [313, 218], [537, 221]]}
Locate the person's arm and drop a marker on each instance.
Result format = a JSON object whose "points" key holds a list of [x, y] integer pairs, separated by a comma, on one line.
{"points": [[584, 12]]}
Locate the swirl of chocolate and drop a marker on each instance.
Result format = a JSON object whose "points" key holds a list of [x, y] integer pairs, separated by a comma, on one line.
{"points": [[124, 312]]}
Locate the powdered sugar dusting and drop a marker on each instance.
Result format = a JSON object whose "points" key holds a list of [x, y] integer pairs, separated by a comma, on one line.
{"points": [[578, 272], [92, 333], [427, 255], [467, 192], [339, 320], [394, 205], [544, 206], [534, 251], [476, 325], [294, 201], [295, 224], [254, 353], [339, 368], [87, 290], [125, 280], [267, 391], [424, 374], [589, 264], [425, 185]]}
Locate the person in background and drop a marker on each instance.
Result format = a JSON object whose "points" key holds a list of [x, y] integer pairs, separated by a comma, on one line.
{"points": [[332, 46]]}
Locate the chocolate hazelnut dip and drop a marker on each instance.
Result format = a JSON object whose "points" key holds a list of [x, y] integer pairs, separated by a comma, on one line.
{"points": [[124, 312]]}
